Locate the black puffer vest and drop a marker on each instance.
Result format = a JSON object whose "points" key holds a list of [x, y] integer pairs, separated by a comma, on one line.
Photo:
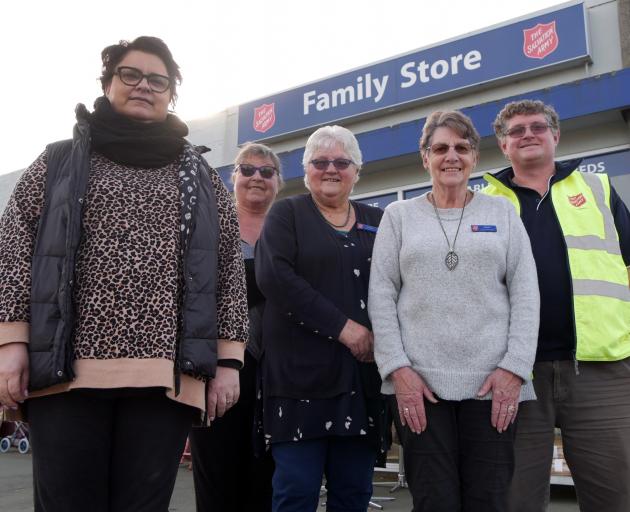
{"points": [[54, 260]]}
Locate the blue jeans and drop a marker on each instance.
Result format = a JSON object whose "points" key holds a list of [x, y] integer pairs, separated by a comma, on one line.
{"points": [[347, 462]]}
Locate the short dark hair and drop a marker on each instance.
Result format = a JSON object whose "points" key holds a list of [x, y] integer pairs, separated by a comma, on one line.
{"points": [[113, 54]]}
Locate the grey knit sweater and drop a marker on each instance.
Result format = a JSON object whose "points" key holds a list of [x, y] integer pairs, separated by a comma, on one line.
{"points": [[454, 327]]}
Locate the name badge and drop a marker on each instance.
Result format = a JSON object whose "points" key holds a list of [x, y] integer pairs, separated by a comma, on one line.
{"points": [[367, 227], [483, 228]]}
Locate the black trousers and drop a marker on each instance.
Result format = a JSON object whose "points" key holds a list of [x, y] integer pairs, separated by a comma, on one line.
{"points": [[228, 476], [460, 462], [112, 450]]}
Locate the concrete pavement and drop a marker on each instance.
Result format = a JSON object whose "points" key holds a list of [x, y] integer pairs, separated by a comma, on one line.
{"points": [[16, 490]]}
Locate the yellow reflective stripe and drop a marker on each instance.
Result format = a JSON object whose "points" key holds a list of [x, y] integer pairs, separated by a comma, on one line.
{"points": [[601, 288], [592, 242], [597, 188], [496, 188]]}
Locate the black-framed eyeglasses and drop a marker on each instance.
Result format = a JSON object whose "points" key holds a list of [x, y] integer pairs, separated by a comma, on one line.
{"points": [[266, 171], [133, 76], [340, 164], [441, 148], [518, 131]]}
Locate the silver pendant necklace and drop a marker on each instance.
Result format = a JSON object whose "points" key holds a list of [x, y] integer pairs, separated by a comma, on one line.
{"points": [[452, 259]]}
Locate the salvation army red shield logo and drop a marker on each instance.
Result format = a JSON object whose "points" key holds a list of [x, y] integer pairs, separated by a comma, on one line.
{"points": [[264, 117], [540, 41], [577, 200]]}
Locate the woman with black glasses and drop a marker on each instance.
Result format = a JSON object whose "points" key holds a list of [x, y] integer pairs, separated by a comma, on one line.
{"points": [[229, 475], [321, 390], [121, 284]]}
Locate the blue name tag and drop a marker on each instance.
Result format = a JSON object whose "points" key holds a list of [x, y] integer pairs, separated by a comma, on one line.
{"points": [[367, 227], [483, 228]]}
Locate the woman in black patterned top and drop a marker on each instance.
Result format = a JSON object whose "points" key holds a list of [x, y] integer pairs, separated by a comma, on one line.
{"points": [[322, 406], [229, 476]]}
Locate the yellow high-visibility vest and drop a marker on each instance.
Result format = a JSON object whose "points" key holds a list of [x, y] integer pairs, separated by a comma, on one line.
{"points": [[599, 277]]}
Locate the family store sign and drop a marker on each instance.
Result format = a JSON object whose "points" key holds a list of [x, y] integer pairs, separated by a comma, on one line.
{"points": [[553, 39]]}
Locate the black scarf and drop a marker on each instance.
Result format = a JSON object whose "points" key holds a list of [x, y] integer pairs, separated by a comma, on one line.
{"points": [[130, 142]]}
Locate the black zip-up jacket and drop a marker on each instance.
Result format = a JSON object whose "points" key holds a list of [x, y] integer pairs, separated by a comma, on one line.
{"points": [[53, 268]]}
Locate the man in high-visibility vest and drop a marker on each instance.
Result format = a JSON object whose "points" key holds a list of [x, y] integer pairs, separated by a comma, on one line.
{"points": [[579, 229]]}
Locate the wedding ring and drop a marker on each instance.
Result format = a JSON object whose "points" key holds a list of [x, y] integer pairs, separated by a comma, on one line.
{"points": [[511, 409], [228, 402], [406, 409]]}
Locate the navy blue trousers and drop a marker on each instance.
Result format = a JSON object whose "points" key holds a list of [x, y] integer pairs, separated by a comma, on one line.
{"points": [[347, 462]]}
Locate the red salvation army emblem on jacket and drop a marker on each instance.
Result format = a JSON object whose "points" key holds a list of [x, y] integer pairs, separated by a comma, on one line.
{"points": [[540, 41], [264, 117], [577, 200]]}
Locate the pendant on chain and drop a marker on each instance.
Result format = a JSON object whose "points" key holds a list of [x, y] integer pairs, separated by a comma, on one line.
{"points": [[451, 260]]}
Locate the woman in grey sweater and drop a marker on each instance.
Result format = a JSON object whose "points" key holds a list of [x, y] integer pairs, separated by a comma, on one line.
{"points": [[454, 305]]}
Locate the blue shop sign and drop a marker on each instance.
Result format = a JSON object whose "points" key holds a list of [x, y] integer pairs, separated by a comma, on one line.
{"points": [[613, 164], [556, 38], [379, 201]]}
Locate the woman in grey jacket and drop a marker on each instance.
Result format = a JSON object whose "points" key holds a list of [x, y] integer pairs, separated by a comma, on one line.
{"points": [[454, 304]]}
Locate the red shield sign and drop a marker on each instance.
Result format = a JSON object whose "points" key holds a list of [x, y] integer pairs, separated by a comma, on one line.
{"points": [[540, 41], [264, 117], [577, 200]]}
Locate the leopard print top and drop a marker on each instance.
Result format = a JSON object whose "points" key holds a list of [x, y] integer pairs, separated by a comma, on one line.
{"points": [[128, 279]]}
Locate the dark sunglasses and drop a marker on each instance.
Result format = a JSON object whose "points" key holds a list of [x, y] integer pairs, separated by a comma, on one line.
{"points": [[133, 76], [440, 148], [266, 171], [516, 132], [340, 164]]}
